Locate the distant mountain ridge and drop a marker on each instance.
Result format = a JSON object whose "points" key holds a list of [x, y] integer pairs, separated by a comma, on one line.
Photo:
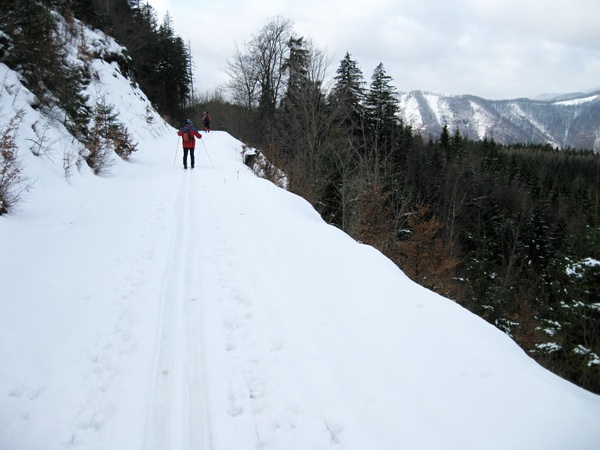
{"points": [[562, 120]]}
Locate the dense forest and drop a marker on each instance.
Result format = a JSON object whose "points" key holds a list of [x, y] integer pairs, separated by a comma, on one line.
{"points": [[510, 232]]}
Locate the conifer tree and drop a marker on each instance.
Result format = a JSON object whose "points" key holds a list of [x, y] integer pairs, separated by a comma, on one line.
{"points": [[381, 105], [173, 69], [296, 68], [338, 190], [348, 94], [302, 119], [382, 100], [36, 51]]}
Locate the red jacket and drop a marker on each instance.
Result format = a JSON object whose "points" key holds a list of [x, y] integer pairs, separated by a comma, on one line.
{"points": [[192, 133]]}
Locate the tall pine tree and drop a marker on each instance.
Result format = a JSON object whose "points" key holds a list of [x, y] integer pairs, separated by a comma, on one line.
{"points": [[381, 105]]}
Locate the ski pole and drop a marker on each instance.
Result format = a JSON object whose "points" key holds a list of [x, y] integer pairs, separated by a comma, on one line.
{"points": [[176, 148], [207, 154]]}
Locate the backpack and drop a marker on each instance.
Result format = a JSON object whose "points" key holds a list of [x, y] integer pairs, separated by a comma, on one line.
{"points": [[187, 136]]}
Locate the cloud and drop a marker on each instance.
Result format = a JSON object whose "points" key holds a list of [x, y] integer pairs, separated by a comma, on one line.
{"points": [[494, 49]]}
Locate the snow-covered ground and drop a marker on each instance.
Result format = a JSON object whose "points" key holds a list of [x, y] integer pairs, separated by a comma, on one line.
{"points": [[157, 308]]}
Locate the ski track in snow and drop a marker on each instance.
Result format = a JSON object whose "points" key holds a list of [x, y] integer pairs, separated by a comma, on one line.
{"points": [[212, 290], [178, 414], [248, 350]]}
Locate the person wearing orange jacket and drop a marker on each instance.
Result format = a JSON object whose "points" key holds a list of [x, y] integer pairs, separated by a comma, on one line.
{"points": [[189, 134]]}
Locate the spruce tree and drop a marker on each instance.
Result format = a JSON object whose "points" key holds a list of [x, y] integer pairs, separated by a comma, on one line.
{"points": [[173, 70], [348, 94], [381, 105], [338, 190], [381, 101]]}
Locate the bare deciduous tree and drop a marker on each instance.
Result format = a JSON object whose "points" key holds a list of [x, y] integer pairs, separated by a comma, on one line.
{"points": [[255, 70]]}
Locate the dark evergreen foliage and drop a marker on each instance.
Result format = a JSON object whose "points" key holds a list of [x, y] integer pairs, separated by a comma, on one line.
{"points": [[33, 43], [348, 94], [36, 51], [161, 62]]}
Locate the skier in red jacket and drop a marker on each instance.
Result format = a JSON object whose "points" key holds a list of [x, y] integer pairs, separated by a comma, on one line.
{"points": [[189, 134]]}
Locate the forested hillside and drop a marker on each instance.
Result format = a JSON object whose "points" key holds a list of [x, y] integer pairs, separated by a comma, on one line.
{"points": [[33, 41], [510, 232]]}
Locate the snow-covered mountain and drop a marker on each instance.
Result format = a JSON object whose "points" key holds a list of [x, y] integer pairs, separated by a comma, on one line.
{"points": [[157, 308], [561, 120]]}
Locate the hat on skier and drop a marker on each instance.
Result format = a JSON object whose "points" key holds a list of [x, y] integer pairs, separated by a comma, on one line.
{"points": [[188, 121]]}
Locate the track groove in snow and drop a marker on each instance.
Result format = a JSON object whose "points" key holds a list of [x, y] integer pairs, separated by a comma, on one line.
{"points": [[178, 413]]}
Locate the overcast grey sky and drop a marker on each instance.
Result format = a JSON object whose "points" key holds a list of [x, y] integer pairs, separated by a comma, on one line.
{"points": [[496, 49]]}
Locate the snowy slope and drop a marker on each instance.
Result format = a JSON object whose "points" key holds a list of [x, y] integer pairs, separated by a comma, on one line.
{"points": [[157, 308]]}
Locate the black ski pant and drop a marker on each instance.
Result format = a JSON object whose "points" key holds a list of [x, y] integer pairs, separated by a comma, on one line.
{"points": [[185, 156]]}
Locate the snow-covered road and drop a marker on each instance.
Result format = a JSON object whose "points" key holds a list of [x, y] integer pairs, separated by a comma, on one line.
{"points": [[158, 308]]}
